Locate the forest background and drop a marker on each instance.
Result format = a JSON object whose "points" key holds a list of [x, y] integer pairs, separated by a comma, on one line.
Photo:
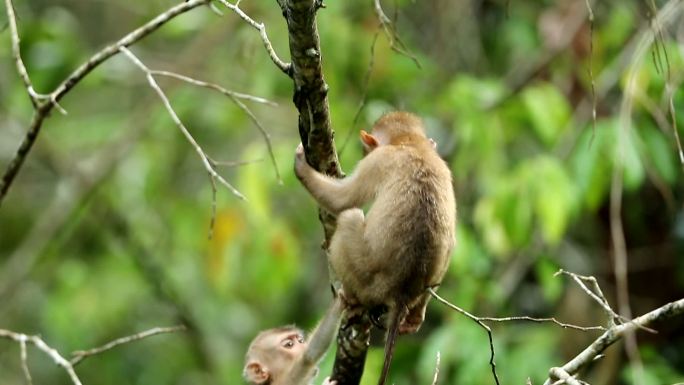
{"points": [[106, 230]]}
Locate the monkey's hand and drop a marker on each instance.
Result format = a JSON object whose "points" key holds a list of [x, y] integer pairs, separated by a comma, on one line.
{"points": [[327, 381], [301, 166]]}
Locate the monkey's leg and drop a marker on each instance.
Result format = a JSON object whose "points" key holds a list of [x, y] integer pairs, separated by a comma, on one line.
{"points": [[347, 251], [415, 317]]}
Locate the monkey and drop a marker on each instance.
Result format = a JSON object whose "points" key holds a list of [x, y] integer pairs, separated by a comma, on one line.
{"points": [[402, 246], [281, 356]]}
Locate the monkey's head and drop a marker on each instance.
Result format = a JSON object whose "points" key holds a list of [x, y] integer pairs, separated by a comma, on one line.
{"points": [[394, 128], [272, 353]]}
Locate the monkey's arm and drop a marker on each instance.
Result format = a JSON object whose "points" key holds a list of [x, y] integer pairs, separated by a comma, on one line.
{"points": [[336, 195], [318, 343]]}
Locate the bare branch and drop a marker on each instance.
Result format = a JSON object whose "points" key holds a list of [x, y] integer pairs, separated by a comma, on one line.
{"points": [[79, 355], [563, 376], [436, 376], [616, 332], [392, 35], [542, 320], [215, 87], [167, 104], [16, 53], [479, 322], [596, 295], [24, 362], [234, 96], [41, 345], [285, 67], [43, 108]]}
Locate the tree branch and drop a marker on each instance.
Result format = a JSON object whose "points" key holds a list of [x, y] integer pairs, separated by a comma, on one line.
{"points": [[44, 103], [311, 100], [615, 333], [215, 176]]}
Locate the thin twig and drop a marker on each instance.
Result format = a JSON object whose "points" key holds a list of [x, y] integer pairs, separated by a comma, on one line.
{"points": [[396, 44], [234, 163], [43, 108], [436, 376], [234, 97], [285, 67], [479, 322], [79, 355], [16, 53], [41, 345], [596, 295], [215, 87], [24, 362], [179, 123], [541, 320]]}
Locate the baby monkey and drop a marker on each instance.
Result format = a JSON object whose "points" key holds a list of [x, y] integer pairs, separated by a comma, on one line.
{"points": [[389, 257], [281, 356]]}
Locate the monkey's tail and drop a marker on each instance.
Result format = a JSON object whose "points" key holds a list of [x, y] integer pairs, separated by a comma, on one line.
{"points": [[395, 318]]}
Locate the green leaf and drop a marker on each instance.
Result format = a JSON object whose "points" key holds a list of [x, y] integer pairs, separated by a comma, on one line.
{"points": [[548, 110], [554, 197]]}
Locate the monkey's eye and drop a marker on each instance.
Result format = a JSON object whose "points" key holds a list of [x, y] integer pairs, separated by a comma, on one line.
{"points": [[288, 343], [300, 339]]}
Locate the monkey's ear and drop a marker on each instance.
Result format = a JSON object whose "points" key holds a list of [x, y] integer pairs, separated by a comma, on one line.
{"points": [[368, 140], [433, 143], [255, 373]]}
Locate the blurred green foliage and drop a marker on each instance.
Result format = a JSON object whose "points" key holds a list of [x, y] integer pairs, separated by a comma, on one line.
{"points": [[105, 231]]}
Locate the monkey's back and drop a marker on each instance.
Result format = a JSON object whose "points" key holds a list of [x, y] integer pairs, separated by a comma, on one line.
{"points": [[410, 226]]}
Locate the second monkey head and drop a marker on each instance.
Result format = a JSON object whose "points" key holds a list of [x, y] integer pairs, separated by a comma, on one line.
{"points": [[395, 128]]}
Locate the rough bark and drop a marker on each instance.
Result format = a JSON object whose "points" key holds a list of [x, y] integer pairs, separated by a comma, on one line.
{"points": [[311, 99]]}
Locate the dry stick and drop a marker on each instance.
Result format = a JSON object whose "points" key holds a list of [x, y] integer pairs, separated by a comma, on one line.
{"points": [[479, 322], [41, 345], [167, 104], [79, 355], [43, 108], [396, 44], [16, 53], [215, 87], [618, 331], [436, 376], [234, 97], [596, 295], [564, 376], [24, 361], [285, 67], [541, 320]]}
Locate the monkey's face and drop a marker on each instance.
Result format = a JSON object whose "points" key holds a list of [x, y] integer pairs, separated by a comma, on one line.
{"points": [[286, 346], [292, 344]]}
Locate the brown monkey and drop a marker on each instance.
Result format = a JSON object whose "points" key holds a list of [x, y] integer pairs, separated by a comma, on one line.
{"points": [[281, 356], [402, 246]]}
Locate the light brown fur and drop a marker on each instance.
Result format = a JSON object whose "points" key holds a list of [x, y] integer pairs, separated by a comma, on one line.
{"points": [[402, 245]]}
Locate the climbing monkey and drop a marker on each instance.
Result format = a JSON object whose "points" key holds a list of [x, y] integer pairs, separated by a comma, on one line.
{"points": [[401, 247], [281, 356]]}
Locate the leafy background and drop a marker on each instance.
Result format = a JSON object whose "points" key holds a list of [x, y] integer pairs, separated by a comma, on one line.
{"points": [[105, 231]]}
